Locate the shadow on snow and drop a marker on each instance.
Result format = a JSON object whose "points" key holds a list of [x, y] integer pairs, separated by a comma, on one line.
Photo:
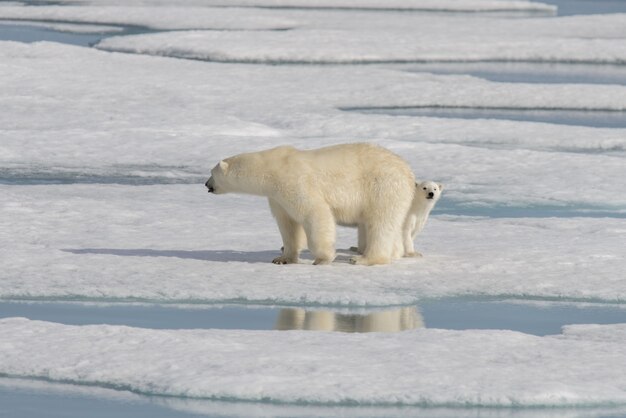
{"points": [[225, 256], [207, 255]]}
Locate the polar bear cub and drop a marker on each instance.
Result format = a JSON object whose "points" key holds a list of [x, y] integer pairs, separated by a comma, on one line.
{"points": [[427, 193], [311, 191]]}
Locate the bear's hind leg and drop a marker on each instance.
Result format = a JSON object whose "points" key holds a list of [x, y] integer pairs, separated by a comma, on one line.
{"points": [[378, 249], [383, 236], [319, 226], [362, 240], [291, 232]]}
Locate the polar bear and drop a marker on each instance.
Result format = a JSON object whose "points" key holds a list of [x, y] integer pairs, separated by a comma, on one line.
{"points": [[310, 191], [427, 193]]}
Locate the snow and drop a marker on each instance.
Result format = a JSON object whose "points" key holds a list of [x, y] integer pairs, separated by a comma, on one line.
{"points": [[91, 112], [322, 38], [134, 136], [178, 244], [581, 367]]}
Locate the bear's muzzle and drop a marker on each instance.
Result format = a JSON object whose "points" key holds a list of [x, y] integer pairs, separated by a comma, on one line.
{"points": [[210, 185]]}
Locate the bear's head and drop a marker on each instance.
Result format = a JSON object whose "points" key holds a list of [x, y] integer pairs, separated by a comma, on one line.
{"points": [[429, 190], [218, 182]]}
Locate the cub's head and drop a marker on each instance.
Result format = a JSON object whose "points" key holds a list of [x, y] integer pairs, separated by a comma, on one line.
{"points": [[428, 190], [218, 182]]}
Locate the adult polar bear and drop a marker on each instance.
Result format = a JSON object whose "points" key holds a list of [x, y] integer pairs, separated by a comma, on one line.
{"points": [[309, 192]]}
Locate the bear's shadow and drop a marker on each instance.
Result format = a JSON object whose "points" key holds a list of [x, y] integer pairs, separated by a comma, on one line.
{"points": [[207, 255], [223, 256]]}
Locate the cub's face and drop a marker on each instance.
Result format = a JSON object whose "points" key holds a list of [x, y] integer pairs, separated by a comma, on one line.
{"points": [[428, 190], [218, 183]]}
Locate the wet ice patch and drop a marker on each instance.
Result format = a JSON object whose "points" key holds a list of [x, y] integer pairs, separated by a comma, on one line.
{"points": [[531, 371], [460, 208], [179, 244], [531, 317], [83, 35], [75, 28], [521, 72], [32, 174], [598, 118], [166, 18]]}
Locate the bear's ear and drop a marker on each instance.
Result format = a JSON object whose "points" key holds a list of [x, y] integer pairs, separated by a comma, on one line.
{"points": [[417, 184], [440, 187], [223, 166]]}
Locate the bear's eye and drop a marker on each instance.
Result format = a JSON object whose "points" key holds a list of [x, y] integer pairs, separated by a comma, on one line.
{"points": [[424, 188]]}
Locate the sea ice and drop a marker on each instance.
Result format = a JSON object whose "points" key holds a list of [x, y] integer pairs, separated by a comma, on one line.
{"points": [[178, 244], [82, 115], [420, 5], [313, 46], [581, 367], [83, 109]]}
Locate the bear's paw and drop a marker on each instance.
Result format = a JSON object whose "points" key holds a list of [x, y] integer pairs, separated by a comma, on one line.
{"points": [[369, 261], [414, 254], [284, 260]]}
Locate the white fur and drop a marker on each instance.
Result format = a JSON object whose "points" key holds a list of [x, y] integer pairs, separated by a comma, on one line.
{"points": [[418, 214], [309, 192]]}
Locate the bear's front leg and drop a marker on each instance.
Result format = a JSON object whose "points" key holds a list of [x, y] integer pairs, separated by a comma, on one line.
{"points": [[291, 232]]}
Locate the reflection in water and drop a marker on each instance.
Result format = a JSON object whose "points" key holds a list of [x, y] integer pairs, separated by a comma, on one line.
{"points": [[393, 320]]}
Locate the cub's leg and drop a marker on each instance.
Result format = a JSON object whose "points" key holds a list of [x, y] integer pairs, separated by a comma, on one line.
{"points": [[409, 233], [291, 232]]}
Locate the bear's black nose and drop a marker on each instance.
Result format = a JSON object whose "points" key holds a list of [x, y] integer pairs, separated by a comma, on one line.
{"points": [[209, 186], [431, 195]]}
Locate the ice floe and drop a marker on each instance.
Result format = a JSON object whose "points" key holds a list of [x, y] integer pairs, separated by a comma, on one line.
{"points": [[177, 244], [76, 106], [419, 5], [581, 367], [352, 47], [320, 38]]}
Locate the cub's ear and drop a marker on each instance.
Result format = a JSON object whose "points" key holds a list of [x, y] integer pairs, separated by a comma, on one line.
{"points": [[440, 187], [223, 166], [417, 183]]}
